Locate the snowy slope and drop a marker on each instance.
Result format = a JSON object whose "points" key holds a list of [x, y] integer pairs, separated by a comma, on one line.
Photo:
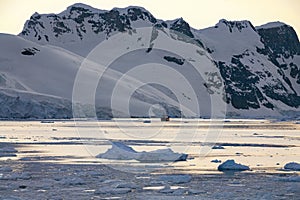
{"points": [[25, 61], [153, 66]]}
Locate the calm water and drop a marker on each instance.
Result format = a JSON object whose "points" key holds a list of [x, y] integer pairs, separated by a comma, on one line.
{"points": [[263, 145]]}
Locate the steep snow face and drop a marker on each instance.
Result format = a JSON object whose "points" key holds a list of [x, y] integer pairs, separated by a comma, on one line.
{"points": [[228, 38], [26, 61], [31, 67], [35, 80]]}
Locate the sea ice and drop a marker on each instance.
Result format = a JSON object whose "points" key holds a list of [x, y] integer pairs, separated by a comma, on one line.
{"points": [[6, 169], [166, 190], [72, 181], [16, 176], [176, 178], [289, 179], [113, 191]]}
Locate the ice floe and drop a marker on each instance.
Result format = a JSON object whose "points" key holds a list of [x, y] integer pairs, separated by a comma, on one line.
{"points": [[289, 179], [7, 150], [16, 176], [113, 191], [71, 181], [175, 178]]}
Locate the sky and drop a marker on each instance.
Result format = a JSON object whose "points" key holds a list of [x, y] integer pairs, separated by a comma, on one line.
{"points": [[198, 13]]}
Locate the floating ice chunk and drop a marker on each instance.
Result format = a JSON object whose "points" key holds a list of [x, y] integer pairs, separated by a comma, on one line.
{"points": [[180, 191], [72, 181], [194, 191], [161, 155], [174, 191], [11, 198], [176, 178], [7, 155], [114, 183], [232, 165], [216, 161], [6, 150], [16, 176], [127, 185], [166, 190], [289, 179], [113, 191], [23, 176], [120, 151], [293, 166], [218, 147], [6, 169], [123, 147]]}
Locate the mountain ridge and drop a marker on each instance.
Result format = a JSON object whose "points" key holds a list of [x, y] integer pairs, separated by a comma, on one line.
{"points": [[259, 66]]}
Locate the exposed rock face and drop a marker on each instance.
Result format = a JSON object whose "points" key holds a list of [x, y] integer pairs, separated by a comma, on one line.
{"points": [[258, 66]]}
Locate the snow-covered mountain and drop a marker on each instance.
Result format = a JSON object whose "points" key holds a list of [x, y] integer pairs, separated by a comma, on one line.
{"points": [[257, 68]]}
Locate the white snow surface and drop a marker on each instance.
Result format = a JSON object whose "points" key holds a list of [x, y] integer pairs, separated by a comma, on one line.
{"points": [[227, 40]]}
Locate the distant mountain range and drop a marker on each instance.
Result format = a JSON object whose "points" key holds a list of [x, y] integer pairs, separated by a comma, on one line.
{"points": [[257, 68]]}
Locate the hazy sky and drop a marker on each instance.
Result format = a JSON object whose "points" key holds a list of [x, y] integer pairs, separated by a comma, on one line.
{"points": [[198, 13]]}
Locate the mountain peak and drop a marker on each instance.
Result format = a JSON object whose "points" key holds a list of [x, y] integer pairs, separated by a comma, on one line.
{"points": [[181, 26], [82, 7], [126, 9], [280, 37], [271, 25], [235, 25]]}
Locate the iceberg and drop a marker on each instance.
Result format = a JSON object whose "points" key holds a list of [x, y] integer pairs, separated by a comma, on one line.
{"points": [[231, 165], [120, 151]]}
